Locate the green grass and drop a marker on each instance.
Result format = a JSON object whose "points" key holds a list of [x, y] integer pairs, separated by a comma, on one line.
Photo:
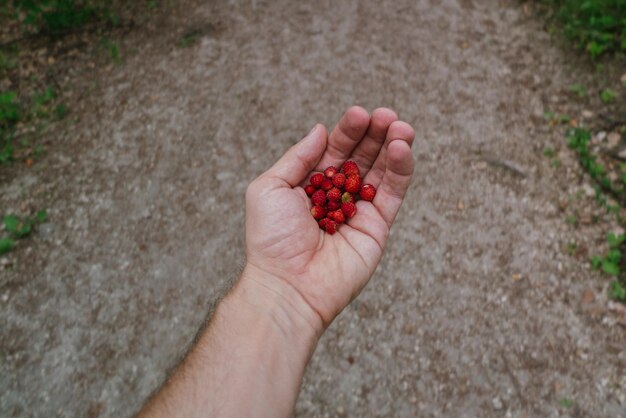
{"points": [[51, 16], [9, 116], [557, 118], [571, 248], [42, 107], [18, 227], [549, 152], [617, 290], [578, 140], [608, 96], [112, 49], [612, 262], [579, 90], [189, 39], [597, 26]]}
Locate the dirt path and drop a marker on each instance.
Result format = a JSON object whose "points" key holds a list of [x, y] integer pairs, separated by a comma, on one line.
{"points": [[475, 310]]}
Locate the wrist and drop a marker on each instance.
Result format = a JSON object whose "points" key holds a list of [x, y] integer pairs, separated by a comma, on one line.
{"points": [[262, 325], [251, 358], [276, 300]]}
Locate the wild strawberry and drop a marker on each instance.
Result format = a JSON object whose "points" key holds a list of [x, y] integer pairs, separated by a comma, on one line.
{"points": [[333, 194], [327, 184], [339, 179], [310, 189], [318, 212], [322, 222], [348, 209], [333, 205], [337, 216], [368, 192], [347, 197], [352, 184], [330, 227], [330, 172], [319, 198], [317, 179], [349, 168]]}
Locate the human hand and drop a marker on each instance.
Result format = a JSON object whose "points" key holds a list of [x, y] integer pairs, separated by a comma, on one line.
{"points": [[284, 245]]}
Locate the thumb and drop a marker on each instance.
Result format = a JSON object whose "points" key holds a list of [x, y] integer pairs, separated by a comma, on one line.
{"points": [[301, 158]]}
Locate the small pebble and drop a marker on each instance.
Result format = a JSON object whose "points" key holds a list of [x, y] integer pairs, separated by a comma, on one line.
{"points": [[497, 403]]}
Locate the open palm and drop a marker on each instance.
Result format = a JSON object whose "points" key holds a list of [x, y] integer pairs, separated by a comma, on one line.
{"points": [[284, 242]]}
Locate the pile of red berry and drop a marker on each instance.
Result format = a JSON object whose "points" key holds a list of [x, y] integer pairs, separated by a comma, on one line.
{"points": [[334, 194]]}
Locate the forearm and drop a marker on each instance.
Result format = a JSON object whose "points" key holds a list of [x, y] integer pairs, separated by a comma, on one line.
{"points": [[250, 360]]}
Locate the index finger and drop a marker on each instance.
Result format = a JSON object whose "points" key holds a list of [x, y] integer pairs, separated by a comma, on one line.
{"points": [[345, 137]]}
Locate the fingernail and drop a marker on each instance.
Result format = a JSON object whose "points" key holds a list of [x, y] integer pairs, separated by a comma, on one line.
{"points": [[312, 130]]}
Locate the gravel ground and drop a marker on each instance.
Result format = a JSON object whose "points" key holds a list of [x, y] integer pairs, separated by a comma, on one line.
{"points": [[476, 309]]}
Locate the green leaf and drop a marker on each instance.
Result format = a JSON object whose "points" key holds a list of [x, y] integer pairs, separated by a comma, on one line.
{"points": [[17, 227], [41, 216], [566, 403], [608, 96], [6, 245], [11, 223], [615, 240], [60, 111], [596, 262], [571, 219], [614, 256], [610, 268], [617, 290], [595, 49], [24, 230], [6, 154], [578, 89], [9, 110]]}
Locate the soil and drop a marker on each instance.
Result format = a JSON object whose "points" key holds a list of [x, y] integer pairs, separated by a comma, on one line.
{"points": [[477, 309]]}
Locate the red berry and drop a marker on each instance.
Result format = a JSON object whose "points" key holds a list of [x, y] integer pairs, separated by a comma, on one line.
{"points": [[322, 223], [319, 198], [330, 172], [333, 205], [347, 197], [339, 179], [327, 184], [318, 212], [349, 168], [333, 194], [317, 179], [348, 209], [352, 184], [330, 227], [337, 216], [368, 192], [310, 189]]}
